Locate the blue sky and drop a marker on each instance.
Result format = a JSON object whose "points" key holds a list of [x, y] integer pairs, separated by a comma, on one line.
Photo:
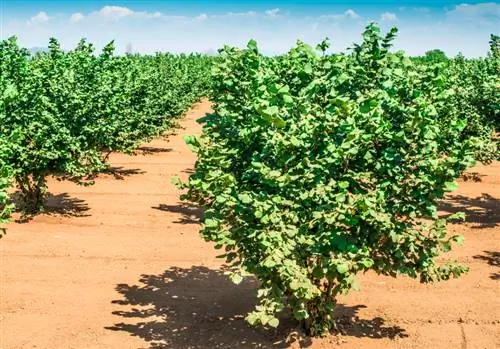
{"points": [[202, 26]]}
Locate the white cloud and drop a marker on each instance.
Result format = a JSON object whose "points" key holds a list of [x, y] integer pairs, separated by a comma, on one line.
{"points": [[414, 9], [40, 17], [487, 10], [388, 17], [272, 13], [349, 14], [76, 17], [241, 14], [227, 15], [119, 12], [115, 12]]}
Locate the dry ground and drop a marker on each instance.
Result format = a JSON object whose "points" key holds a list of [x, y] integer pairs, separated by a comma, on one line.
{"points": [[120, 265]]}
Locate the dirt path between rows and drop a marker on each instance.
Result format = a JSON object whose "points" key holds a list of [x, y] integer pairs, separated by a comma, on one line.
{"points": [[124, 267]]}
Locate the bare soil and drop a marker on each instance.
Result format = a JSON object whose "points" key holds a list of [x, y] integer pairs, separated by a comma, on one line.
{"points": [[121, 265]]}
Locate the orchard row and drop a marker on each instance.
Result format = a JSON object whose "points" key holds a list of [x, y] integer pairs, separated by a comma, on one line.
{"points": [[62, 113]]}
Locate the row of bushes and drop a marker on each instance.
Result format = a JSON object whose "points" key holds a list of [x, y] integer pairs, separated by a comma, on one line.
{"points": [[63, 112]]}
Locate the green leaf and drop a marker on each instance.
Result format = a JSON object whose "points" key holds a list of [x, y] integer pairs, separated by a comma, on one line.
{"points": [[301, 314], [176, 181], [340, 197], [459, 239], [367, 263], [236, 278], [285, 89], [295, 141], [252, 319], [456, 216], [271, 111], [387, 84], [274, 322], [450, 186], [355, 285], [252, 45], [220, 199], [308, 69], [343, 185], [367, 106], [287, 99], [446, 246], [294, 285], [210, 223], [342, 268], [279, 122], [245, 198]]}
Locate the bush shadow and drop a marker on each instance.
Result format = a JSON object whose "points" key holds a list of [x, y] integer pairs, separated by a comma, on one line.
{"points": [[119, 172], [350, 324], [188, 171], [493, 259], [481, 212], [149, 150], [55, 205], [189, 213], [199, 308], [472, 177], [64, 204]]}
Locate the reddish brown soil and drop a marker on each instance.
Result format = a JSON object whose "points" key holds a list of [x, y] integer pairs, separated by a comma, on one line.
{"points": [[121, 265]]}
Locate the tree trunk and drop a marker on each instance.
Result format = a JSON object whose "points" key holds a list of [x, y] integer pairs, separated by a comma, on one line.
{"points": [[321, 320], [33, 192]]}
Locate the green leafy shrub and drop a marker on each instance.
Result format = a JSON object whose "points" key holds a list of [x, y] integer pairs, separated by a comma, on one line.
{"points": [[475, 84], [37, 93], [473, 97], [314, 168], [70, 109], [434, 56], [5, 183]]}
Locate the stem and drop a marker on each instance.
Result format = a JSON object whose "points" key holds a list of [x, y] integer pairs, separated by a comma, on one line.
{"points": [[329, 288], [320, 310], [33, 189], [106, 157]]}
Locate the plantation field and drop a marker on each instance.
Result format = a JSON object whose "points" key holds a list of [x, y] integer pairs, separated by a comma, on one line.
{"points": [[121, 265]]}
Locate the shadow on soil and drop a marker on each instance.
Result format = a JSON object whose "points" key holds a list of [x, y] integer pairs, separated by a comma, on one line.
{"points": [[482, 212], [66, 205], [493, 259], [148, 150], [199, 308], [472, 177], [61, 204], [188, 171], [120, 173], [189, 214]]}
